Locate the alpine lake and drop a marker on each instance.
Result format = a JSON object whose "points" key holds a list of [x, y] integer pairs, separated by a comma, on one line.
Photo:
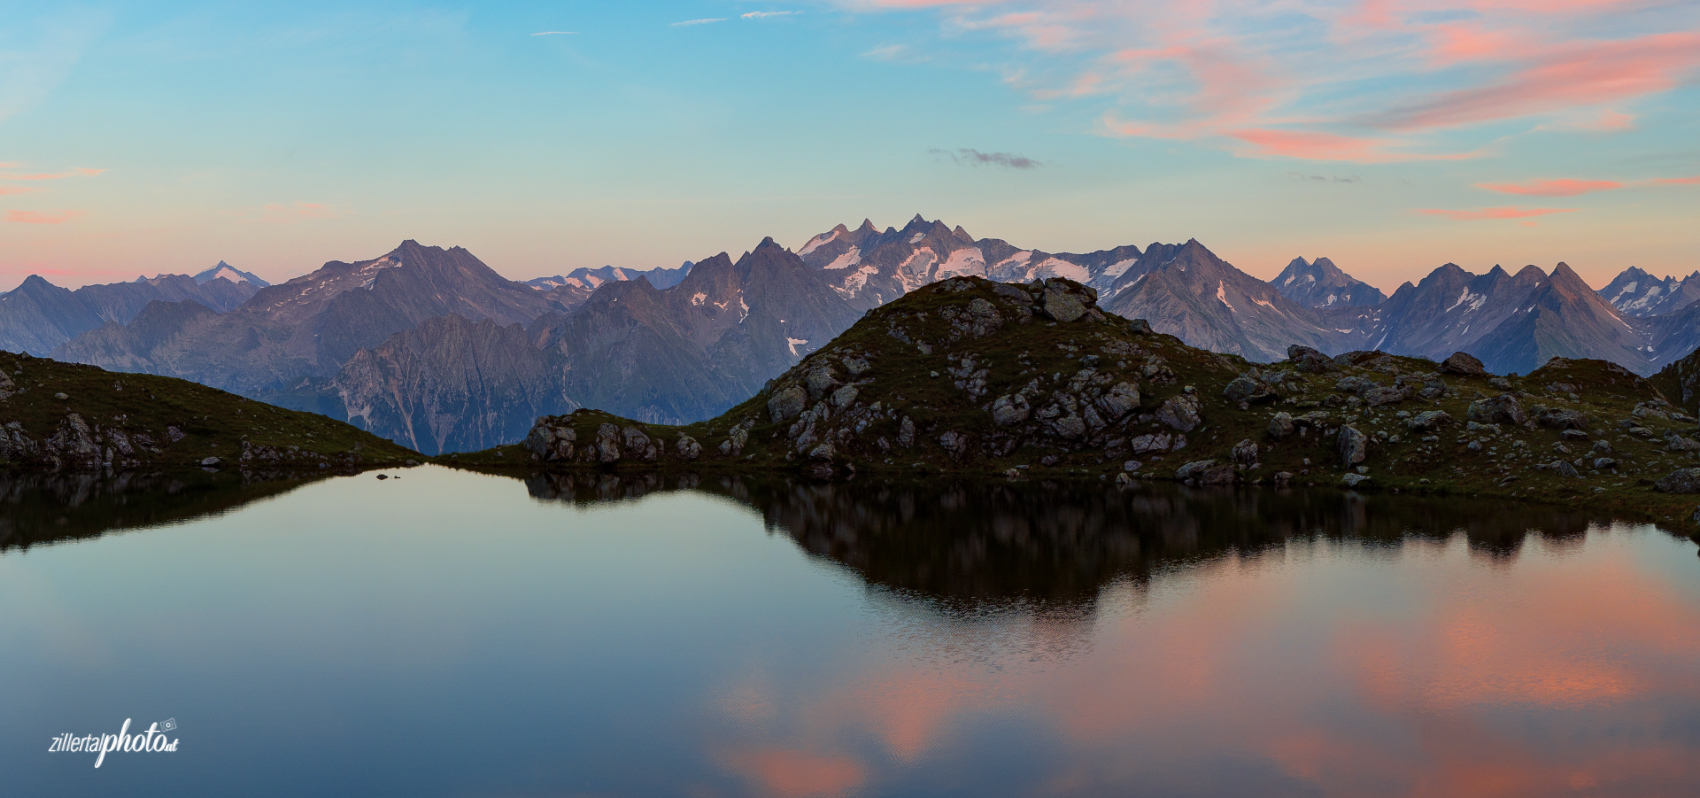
{"points": [[451, 633]]}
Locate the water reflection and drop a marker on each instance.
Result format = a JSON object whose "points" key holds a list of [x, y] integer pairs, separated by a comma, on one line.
{"points": [[41, 508], [1054, 543]]}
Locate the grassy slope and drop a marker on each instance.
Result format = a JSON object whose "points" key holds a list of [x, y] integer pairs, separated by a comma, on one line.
{"points": [[903, 378], [213, 422]]}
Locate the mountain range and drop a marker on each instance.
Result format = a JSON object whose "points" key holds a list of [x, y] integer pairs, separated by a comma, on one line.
{"points": [[434, 349]]}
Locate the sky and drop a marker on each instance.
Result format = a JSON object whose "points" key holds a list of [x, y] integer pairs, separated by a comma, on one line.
{"points": [[1390, 135]]}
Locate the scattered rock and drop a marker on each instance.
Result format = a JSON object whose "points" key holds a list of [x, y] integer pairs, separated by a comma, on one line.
{"points": [[1428, 421], [1682, 480], [1180, 412], [1502, 409], [1355, 481], [209, 461], [1206, 472], [1603, 463], [1558, 418], [1352, 446], [1010, 409], [1245, 453], [786, 403], [1281, 425], [61, 396], [1310, 361], [1463, 364]]}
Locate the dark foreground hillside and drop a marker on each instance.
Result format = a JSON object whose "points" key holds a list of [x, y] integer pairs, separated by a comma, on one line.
{"points": [[974, 377], [67, 416]]}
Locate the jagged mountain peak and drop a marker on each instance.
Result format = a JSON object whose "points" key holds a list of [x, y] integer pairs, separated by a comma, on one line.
{"points": [[1322, 284]]}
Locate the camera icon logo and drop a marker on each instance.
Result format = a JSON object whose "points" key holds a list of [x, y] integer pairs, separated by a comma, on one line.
{"points": [[169, 724]]}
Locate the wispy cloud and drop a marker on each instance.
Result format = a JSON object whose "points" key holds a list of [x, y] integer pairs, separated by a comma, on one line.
{"points": [[1495, 213], [766, 14], [1325, 178], [690, 22], [887, 52], [1552, 188], [556, 33], [1679, 181], [973, 157], [41, 217], [6, 190], [1364, 80], [52, 175]]}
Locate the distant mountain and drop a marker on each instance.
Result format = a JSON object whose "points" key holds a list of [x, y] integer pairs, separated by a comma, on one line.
{"points": [[1513, 322], [665, 355], [1637, 293], [1321, 284], [311, 325], [1188, 292], [576, 287], [228, 272], [37, 316], [869, 267]]}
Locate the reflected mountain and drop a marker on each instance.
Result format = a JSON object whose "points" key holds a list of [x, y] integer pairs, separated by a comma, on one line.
{"points": [[1058, 545], [43, 508]]}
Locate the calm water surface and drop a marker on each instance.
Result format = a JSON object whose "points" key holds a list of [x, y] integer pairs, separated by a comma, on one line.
{"points": [[457, 634]]}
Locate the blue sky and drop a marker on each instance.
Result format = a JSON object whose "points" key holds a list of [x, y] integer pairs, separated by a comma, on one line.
{"points": [[1390, 135]]}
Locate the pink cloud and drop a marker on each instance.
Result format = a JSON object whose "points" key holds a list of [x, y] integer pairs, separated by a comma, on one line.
{"points": [[1552, 188], [1584, 74], [1495, 213], [1679, 181], [5, 190], [53, 175], [798, 774], [39, 217], [1309, 146]]}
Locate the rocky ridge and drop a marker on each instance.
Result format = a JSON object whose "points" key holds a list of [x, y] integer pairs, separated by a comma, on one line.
{"points": [[67, 417], [970, 377]]}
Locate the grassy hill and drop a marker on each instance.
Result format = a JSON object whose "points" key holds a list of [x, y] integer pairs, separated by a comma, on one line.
{"points": [[66, 416], [972, 377]]}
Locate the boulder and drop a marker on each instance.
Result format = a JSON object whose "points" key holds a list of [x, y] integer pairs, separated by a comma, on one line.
{"points": [[820, 381], [1565, 469], [1281, 425], [786, 403], [1144, 444], [1139, 327], [1557, 418], [1428, 420], [1066, 302], [842, 397], [1245, 453], [1355, 481], [1382, 395], [1352, 446], [608, 443], [1677, 443], [1180, 412], [1502, 409], [1121, 399], [1010, 409], [1463, 364], [1247, 389], [688, 447], [1310, 361], [1682, 480], [1206, 472]]}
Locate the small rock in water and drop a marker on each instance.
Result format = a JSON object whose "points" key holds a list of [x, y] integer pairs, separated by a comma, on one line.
{"points": [[209, 461], [383, 476]]}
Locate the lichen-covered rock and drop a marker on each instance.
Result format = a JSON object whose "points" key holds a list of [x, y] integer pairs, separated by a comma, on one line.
{"points": [[1281, 425], [1463, 364], [550, 442], [820, 381], [1066, 304], [1010, 409], [1245, 388], [1206, 472], [1180, 412], [1310, 361], [786, 403], [1502, 409], [1143, 444], [1428, 421], [1245, 453], [1682, 480], [1352, 446], [1121, 399], [1559, 418], [608, 443]]}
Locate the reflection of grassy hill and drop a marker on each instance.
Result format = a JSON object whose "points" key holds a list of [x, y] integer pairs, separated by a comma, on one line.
{"points": [[64, 415], [973, 377], [40, 508]]}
